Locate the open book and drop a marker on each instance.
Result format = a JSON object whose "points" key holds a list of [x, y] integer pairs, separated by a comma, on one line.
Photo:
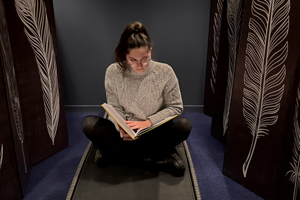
{"points": [[115, 115]]}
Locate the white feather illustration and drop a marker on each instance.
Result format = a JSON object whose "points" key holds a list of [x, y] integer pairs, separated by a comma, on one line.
{"points": [[1, 155], [11, 83], [266, 52], [216, 43], [34, 16], [234, 17], [295, 172]]}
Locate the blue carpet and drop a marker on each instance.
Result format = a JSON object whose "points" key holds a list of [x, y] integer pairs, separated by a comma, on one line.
{"points": [[50, 179]]}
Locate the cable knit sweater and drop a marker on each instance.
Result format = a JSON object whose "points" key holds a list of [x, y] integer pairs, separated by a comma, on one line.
{"points": [[153, 94]]}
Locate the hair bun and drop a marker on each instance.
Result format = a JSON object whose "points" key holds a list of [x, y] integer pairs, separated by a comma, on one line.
{"points": [[137, 27]]}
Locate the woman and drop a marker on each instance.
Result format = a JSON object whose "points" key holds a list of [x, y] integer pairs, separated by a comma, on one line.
{"points": [[143, 92]]}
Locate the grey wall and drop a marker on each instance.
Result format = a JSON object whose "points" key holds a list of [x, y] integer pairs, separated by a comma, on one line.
{"points": [[88, 32]]}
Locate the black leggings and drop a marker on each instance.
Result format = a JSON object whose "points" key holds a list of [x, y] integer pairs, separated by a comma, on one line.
{"points": [[158, 141]]}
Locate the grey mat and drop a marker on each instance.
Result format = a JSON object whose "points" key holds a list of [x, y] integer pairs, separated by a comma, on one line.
{"points": [[130, 183]]}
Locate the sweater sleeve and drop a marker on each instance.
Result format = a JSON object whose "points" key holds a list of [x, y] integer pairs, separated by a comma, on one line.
{"points": [[173, 104], [111, 90]]}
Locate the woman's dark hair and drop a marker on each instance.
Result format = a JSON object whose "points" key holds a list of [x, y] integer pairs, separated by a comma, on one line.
{"points": [[134, 36]]}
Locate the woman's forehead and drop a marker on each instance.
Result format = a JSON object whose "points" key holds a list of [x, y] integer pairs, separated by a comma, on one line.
{"points": [[138, 52]]}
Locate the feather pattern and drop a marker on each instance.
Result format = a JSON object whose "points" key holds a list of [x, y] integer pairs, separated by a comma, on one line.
{"points": [[295, 172], [34, 16], [266, 52], [10, 75], [234, 17], [216, 43]]}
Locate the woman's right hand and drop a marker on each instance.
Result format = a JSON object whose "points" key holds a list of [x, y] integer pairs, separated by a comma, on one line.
{"points": [[124, 135]]}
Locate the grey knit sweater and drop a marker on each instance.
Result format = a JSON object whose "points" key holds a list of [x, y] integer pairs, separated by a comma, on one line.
{"points": [[153, 94]]}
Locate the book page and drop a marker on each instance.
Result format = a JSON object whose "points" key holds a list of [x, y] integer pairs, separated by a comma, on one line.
{"points": [[133, 134], [115, 115], [155, 125]]}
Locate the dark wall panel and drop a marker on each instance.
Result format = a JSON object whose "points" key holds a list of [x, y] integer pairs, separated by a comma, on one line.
{"points": [[217, 56], [10, 187], [14, 120], [225, 79], [89, 32], [286, 179], [38, 76], [264, 79]]}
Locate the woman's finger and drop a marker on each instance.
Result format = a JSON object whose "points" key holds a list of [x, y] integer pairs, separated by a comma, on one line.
{"points": [[124, 135], [130, 122]]}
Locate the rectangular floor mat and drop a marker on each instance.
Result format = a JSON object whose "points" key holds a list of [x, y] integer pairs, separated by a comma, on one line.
{"points": [[131, 183]]}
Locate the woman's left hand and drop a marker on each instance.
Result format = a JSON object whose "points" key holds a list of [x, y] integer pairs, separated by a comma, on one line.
{"points": [[139, 125]]}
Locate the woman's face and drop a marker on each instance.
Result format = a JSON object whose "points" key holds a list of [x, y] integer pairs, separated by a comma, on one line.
{"points": [[139, 58]]}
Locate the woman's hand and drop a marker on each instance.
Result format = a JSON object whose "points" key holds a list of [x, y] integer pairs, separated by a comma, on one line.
{"points": [[124, 135], [134, 125], [138, 125]]}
